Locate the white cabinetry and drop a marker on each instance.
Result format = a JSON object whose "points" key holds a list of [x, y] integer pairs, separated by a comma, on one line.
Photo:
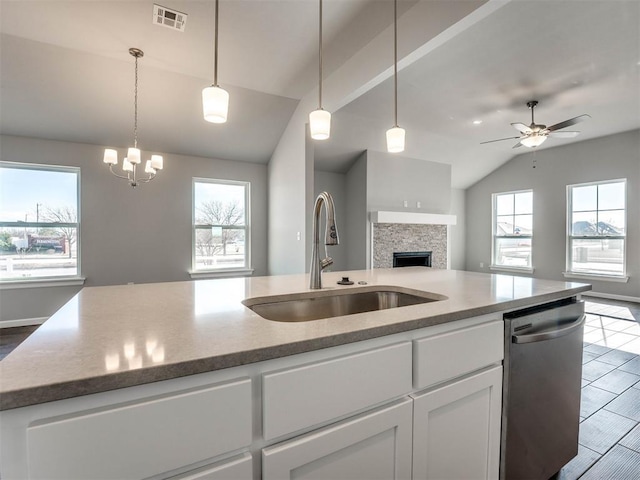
{"points": [[238, 468], [456, 429], [375, 445]]}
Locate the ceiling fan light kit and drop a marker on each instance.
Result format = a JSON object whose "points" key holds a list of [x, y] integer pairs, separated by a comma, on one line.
{"points": [[535, 135]]}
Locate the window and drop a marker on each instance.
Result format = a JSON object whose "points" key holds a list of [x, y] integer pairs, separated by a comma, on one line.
{"points": [[39, 228], [512, 229], [220, 225], [596, 220]]}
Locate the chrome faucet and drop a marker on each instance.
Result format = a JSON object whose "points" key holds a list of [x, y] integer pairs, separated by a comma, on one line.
{"points": [[330, 234]]}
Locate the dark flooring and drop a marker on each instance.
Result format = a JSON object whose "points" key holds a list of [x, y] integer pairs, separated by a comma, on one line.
{"points": [[11, 337], [609, 440]]}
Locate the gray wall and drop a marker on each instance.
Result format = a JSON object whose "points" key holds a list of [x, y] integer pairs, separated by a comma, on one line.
{"points": [[137, 235], [606, 158], [457, 236], [335, 184], [357, 242], [392, 179], [383, 181]]}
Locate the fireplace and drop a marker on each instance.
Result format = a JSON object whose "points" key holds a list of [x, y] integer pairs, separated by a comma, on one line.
{"points": [[411, 259]]}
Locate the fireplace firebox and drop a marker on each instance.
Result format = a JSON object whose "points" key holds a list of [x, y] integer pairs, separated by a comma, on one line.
{"points": [[411, 259]]}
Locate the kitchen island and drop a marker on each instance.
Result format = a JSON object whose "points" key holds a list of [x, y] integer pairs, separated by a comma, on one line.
{"points": [[182, 380]]}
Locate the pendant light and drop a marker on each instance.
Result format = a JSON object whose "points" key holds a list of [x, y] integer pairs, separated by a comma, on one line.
{"points": [[215, 100], [320, 120], [133, 159], [395, 135]]}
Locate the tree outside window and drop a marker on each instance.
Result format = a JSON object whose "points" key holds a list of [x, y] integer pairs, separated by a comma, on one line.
{"points": [[38, 221], [220, 225]]}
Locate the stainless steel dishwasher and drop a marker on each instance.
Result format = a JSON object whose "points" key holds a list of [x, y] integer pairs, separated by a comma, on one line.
{"points": [[541, 389]]}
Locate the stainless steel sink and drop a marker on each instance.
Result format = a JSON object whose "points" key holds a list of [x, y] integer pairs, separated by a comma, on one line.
{"points": [[307, 306]]}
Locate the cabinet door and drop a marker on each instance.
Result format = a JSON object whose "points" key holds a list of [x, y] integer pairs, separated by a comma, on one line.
{"points": [[375, 445], [456, 429], [237, 468]]}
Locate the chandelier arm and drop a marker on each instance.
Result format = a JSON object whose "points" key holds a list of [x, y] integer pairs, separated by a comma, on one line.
{"points": [[148, 179], [119, 176]]}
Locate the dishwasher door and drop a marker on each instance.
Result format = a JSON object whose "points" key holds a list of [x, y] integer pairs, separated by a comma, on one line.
{"points": [[541, 396]]}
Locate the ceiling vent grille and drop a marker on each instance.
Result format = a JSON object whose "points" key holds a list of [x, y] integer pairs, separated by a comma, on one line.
{"points": [[169, 18]]}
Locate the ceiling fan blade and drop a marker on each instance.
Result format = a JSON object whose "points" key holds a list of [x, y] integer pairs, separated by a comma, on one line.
{"points": [[564, 134], [519, 144], [522, 128], [499, 140], [568, 123]]}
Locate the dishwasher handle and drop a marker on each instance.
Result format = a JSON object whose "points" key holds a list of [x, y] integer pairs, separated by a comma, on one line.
{"points": [[549, 335]]}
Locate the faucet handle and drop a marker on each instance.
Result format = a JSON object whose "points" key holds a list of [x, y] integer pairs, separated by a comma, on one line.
{"points": [[324, 263]]}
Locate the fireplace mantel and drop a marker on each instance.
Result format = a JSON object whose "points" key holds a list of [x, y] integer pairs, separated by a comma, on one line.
{"points": [[412, 217]]}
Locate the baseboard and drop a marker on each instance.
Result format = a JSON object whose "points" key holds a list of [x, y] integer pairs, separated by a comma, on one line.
{"points": [[23, 322], [611, 296]]}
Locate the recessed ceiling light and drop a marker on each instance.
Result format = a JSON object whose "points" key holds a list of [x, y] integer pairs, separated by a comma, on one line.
{"points": [[477, 122]]}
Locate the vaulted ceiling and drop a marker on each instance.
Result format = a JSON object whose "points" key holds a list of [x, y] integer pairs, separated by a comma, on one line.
{"points": [[66, 74]]}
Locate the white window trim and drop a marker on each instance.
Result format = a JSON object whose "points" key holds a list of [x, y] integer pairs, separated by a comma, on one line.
{"points": [[222, 272], [507, 268], [586, 275], [53, 281], [41, 282]]}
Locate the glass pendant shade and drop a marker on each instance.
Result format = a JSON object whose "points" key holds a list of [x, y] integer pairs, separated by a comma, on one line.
{"points": [[533, 140], [148, 168], [320, 124], [395, 140], [127, 166], [110, 156], [157, 162], [133, 155], [215, 104]]}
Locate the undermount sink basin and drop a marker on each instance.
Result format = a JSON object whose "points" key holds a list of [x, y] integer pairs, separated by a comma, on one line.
{"points": [[303, 307]]}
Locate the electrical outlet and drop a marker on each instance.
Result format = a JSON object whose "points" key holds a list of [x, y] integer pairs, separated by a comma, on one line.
{"points": [[481, 264], [418, 205], [406, 204], [298, 236]]}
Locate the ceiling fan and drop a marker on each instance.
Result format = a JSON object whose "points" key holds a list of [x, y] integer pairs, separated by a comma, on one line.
{"points": [[535, 134]]}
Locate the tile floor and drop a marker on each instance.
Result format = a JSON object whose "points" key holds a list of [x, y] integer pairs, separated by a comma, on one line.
{"points": [[609, 441]]}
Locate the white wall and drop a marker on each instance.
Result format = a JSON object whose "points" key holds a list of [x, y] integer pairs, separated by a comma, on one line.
{"points": [[605, 158], [357, 241], [136, 235]]}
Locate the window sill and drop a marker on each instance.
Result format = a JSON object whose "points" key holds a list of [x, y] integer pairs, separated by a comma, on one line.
{"points": [[600, 278], [236, 272], [504, 268], [41, 283]]}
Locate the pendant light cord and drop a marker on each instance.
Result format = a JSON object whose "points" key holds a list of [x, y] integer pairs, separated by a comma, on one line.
{"points": [[135, 107], [320, 59], [215, 50], [395, 61]]}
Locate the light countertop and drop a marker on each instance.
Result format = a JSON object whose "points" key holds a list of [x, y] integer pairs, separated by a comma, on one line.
{"points": [[113, 337]]}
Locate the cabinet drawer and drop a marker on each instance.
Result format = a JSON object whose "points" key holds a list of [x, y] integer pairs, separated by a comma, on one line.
{"points": [[312, 394], [144, 438], [443, 357]]}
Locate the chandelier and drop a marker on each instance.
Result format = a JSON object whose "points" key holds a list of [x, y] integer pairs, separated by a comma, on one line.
{"points": [[132, 161]]}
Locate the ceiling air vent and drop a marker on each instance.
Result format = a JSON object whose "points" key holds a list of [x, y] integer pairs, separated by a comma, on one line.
{"points": [[169, 18]]}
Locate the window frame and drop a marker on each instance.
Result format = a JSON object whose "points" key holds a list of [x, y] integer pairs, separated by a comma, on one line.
{"points": [[222, 271], [494, 222], [53, 280], [591, 274]]}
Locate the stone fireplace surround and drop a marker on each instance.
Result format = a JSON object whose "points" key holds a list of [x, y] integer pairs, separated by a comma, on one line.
{"points": [[409, 232]]}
